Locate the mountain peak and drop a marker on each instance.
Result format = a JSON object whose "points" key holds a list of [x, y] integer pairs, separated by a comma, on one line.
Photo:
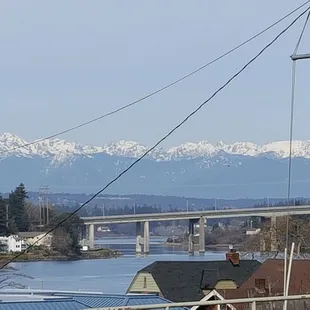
{"points": [[9, 137], [61, 150]]}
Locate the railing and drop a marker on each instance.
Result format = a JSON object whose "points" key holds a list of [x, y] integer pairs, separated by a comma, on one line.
{"points": [[209, 214], [252, 302]]}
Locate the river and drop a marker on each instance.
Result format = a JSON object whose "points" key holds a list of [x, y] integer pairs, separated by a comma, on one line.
{"points": [[111, 276]]}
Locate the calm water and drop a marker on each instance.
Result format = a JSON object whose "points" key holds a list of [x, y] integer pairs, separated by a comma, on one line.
{"points": [[105, 275]]}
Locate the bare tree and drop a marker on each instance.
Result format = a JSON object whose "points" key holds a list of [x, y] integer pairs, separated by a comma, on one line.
{"points": [[298, 232], [33, 215], [61, 240]]}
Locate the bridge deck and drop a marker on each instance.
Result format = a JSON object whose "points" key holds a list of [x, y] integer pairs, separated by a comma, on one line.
{"points": [[210, 214]]}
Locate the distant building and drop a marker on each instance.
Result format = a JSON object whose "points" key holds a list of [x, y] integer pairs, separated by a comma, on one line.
{"points": [[36, 236], [253, 231], [103, 229], [12, 244]]}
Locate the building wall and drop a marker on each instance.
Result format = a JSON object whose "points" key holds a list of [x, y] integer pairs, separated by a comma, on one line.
{"points": [[225, 285], [143, 283], [13, 243], [46, 241], [253, 231]]}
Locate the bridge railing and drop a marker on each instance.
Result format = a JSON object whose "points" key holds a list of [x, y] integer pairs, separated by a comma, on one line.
{"points": [[300, 302]]}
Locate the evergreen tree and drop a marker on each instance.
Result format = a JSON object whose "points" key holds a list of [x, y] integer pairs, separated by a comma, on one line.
{"points": [[3, 228], [17, 210]]}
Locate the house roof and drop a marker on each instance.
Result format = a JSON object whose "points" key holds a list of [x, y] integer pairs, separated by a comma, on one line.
{"points": [[30, 234], [43, 305], [101, 301], [184, 281], [72, 301], [272, 271]]}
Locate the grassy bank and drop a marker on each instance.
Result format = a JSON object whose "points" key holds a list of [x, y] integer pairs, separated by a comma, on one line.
{"points": [[45, 254]]}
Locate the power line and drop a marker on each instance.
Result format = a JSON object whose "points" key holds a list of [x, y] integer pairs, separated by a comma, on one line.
{"points": [[158, 90], [163, 138]]}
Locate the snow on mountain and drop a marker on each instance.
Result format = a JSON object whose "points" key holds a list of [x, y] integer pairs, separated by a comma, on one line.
{"points": [[190, 149], [124, 148], [282, 148], [61, 150]]}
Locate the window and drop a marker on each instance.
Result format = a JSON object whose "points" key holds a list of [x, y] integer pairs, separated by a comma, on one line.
{"points": [[260, 284], [144, 282]]}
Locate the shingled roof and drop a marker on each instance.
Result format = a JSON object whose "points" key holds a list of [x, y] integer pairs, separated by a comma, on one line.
{"points": [[185, 280]]}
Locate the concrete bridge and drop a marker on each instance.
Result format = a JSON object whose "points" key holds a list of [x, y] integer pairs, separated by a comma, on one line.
{"points": [[142, 238]]}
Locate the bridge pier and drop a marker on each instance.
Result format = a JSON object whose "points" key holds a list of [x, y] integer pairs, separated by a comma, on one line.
{"points": [[273, 234], [202, 244], [191, 237], [146, 237], [138, 238], [91, 236], [262, 243]]}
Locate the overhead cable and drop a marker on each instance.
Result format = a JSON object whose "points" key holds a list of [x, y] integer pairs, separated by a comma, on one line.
{"points": [[158, 90], [181, 123]]}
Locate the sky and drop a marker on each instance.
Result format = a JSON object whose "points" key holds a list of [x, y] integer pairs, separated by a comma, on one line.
{"points": [[65, 62]]}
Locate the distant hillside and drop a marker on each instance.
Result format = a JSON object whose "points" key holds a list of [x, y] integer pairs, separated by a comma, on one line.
{"points": [[193, 170], [164, 203]]}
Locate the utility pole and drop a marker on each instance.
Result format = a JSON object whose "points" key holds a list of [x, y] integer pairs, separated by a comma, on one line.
{"points": [[7, 216], [40, 207], [295, 57], [44, 205], [47, 210]]}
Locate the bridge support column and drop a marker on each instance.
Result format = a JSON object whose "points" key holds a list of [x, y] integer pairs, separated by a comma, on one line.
{"points": [[138, 238], [191, 237], [262, 243], [91, 236], [273, 234], [202, 245], [146, 237]]}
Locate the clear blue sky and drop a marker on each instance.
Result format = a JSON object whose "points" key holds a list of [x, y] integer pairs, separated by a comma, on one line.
{"points": [[64, 62]]}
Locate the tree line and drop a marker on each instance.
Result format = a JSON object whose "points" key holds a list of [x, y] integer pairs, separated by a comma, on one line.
{"points": [[18, 214], [14, 212]]}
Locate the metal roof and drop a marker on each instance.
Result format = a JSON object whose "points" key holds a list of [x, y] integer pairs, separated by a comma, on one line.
{"points": [[43, 305], [73, 301], [104, 301]]}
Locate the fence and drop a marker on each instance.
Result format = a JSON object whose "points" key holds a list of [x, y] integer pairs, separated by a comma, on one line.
{"points": [[294, 302]]}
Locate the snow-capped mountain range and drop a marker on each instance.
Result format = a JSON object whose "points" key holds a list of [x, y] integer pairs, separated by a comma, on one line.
{"points": [[198, 169], [61, 150]]}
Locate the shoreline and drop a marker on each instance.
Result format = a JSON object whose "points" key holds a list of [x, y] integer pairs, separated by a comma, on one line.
{"points": [[221, 247], [38, 257]]}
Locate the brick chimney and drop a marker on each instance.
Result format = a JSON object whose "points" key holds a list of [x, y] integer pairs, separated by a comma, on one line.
{"points": [[233, 256]]}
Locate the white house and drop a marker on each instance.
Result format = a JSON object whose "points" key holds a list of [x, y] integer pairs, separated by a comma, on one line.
{"points": [[12, 244], [253, 231], [36, 236]]}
